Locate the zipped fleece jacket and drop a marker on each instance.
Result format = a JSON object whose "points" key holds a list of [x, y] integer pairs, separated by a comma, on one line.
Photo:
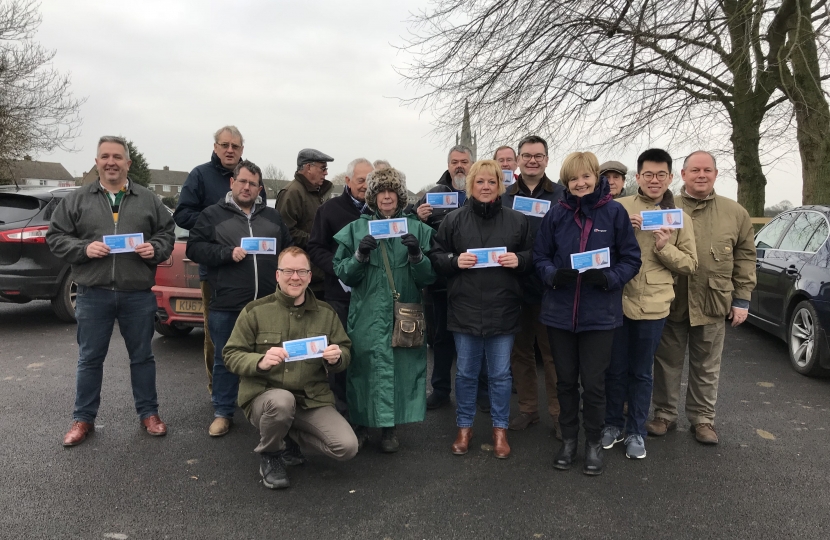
{"points": [[649, 294], [483, 301], [271, 321], [85, 216], [219, 229], [576, 225], [546, 191]]}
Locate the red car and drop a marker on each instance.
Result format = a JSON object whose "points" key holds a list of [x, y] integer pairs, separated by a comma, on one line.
{"points": [[178, 292]]}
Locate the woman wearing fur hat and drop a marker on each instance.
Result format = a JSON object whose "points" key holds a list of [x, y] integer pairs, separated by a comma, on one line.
{"points": [[484, 303], [386, 386]]}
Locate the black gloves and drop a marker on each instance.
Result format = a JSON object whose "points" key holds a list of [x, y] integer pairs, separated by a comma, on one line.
{"points": [[564, 276], [411, 244], [367, 244], [595, 276]]}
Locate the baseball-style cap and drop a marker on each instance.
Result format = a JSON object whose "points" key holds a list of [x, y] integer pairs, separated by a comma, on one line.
{"points": [[310, 155], [613, 166]]}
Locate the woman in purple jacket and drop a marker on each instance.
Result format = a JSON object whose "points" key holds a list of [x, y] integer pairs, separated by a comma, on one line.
{"points": [[581, 310]]}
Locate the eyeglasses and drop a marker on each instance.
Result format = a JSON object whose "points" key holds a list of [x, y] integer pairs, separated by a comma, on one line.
{"points": [[288, 272], [648, 176], [528, 157], [322, 166], [245, 182], [226, 145]]}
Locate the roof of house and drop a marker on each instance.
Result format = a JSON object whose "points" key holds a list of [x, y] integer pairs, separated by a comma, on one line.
{"points": [[167, 177], [36, 170]]}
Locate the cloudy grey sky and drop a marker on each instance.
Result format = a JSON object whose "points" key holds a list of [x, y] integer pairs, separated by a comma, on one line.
{"points": [[289, 74]]}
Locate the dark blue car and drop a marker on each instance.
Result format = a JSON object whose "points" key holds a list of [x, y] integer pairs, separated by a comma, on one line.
{"points": [[792, 298]]}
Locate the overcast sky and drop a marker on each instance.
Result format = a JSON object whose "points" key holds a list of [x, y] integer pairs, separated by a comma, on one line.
{"points": [[290, 75]]}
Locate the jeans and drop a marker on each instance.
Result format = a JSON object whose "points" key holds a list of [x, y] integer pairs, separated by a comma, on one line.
{"points": [[581, 357], [443, 351], [225, 384], [96, 311], [471, 352], [629, 376]]}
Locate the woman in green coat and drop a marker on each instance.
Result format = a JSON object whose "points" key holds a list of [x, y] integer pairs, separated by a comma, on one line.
{"points": [[385, 386]]}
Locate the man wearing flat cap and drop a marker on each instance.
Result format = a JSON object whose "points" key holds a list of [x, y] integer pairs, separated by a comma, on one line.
{"points": [[298, 203], [615, 172]]}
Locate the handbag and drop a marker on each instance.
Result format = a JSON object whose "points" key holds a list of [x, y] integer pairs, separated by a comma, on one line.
{"points": [[407, 318]]}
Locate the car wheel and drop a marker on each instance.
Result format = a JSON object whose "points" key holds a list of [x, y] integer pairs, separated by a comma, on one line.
{"points": [[64, 303], [172, 330], [802, 340]]}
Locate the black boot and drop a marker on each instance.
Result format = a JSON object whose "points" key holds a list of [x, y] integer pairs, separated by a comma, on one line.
{"points": [[566, 455], [593, 458], [292, 456], [389, 441]]}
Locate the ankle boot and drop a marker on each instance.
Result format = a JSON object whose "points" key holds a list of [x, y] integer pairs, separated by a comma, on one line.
{"points": [[566, 455], [500, 447], [462, 441], [593, 458]]}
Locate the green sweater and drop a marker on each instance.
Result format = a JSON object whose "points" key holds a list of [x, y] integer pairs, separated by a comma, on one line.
{"points": [[266, 323]]}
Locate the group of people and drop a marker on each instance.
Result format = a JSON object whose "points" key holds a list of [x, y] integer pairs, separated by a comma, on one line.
{"points": [[612, 330]]}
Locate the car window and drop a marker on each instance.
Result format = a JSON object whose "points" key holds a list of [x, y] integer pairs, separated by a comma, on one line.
{"points": [[14, 208], [182, 234], [768, 237], [797, 236], [820, 233]]}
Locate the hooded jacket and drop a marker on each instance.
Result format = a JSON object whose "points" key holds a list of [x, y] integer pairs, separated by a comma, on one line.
{"points": [[483, 301], [219, 229], [547, 190], [576, 225]]}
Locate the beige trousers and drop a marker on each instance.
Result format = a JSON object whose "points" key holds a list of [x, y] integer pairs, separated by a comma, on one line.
{"points": [[322, 430], [705, 345], [207, 292]]}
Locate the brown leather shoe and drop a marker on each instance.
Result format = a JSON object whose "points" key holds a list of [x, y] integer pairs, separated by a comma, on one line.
{"points": [[523, 420], [705, 433], [462, 441], [220, 426], [660, 426], [154, 426], [500, 447], [77, 433]]}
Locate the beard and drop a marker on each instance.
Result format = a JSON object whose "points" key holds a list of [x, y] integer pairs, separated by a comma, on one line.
{"points": [[459, 182]]}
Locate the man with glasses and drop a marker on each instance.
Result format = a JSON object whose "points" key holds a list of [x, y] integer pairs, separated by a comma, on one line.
{"points": [[506, 157], [533, 183], [719, 289], [298, 204], [235, 276], [206, 185]]}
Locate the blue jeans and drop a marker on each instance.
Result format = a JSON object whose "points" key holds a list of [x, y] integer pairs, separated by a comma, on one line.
{"points": [[96, 311], [471, 351], [630, 374], [225, 383]]}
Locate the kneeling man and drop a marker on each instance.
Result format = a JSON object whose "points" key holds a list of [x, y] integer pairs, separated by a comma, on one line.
{"points": [[290, 402]]}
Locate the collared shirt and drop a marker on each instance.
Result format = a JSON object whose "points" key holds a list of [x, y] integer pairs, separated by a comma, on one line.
{"points": [[115, 199], [360, 205]]}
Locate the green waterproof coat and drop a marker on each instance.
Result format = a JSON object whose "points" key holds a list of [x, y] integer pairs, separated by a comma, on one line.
{"points": [[385, 386]]}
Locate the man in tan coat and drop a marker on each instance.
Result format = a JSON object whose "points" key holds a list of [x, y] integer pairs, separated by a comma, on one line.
{"points": [[720, 289]]}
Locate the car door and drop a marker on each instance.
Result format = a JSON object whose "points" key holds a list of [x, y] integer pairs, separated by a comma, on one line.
{"points": [[783, 265], [766, 241]]}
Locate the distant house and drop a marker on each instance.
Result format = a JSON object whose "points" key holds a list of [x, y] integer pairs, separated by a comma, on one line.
{"points": [[27, 172], [163, 182]]}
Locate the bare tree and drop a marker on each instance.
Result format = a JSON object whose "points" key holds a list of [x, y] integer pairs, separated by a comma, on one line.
{"points": [[37, 109], [700, 73], [272, 176]]}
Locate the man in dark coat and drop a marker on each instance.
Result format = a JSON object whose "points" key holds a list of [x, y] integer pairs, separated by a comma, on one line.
{"points": [[454, 179], [330, 218], [235, 276], [298, 204], [208, 184], [533, 183]]}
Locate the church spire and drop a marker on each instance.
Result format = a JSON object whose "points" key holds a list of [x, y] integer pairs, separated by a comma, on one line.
{"points": [[467, 138]]}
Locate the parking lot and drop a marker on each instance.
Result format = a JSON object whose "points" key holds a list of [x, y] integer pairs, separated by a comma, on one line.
{"points": [[768, 478]]}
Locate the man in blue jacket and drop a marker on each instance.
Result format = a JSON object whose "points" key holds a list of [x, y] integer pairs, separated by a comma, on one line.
{"points": [[208, 184], [235, 276]]}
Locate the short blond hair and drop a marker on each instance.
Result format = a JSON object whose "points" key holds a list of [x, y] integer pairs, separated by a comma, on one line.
{"points": [[576, 163], [296, 252], [485, 166]]}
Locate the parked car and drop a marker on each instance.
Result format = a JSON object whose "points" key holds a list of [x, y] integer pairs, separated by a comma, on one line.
{"points": [[28, 270], [178, 292], [792, 298]]}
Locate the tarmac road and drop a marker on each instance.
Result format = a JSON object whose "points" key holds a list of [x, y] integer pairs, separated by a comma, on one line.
{"points": [[767, 479]]}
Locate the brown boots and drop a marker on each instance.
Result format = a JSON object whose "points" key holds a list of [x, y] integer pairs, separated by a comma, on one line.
{"points": [[500, 447]]}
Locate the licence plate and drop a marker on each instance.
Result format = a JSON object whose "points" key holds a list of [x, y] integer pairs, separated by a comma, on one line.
{"points": [[189, 306]]}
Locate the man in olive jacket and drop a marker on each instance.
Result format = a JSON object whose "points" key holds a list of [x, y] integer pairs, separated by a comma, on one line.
{"points": [[720, 288], [298, 204], [282, 396]]}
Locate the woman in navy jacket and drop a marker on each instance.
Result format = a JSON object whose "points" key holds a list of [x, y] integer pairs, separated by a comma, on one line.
{"points": [[581, 310]]}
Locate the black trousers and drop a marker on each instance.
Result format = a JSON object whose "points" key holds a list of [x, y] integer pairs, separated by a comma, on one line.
{"points": [[581, 356], [443, 353], [337, 381]]}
